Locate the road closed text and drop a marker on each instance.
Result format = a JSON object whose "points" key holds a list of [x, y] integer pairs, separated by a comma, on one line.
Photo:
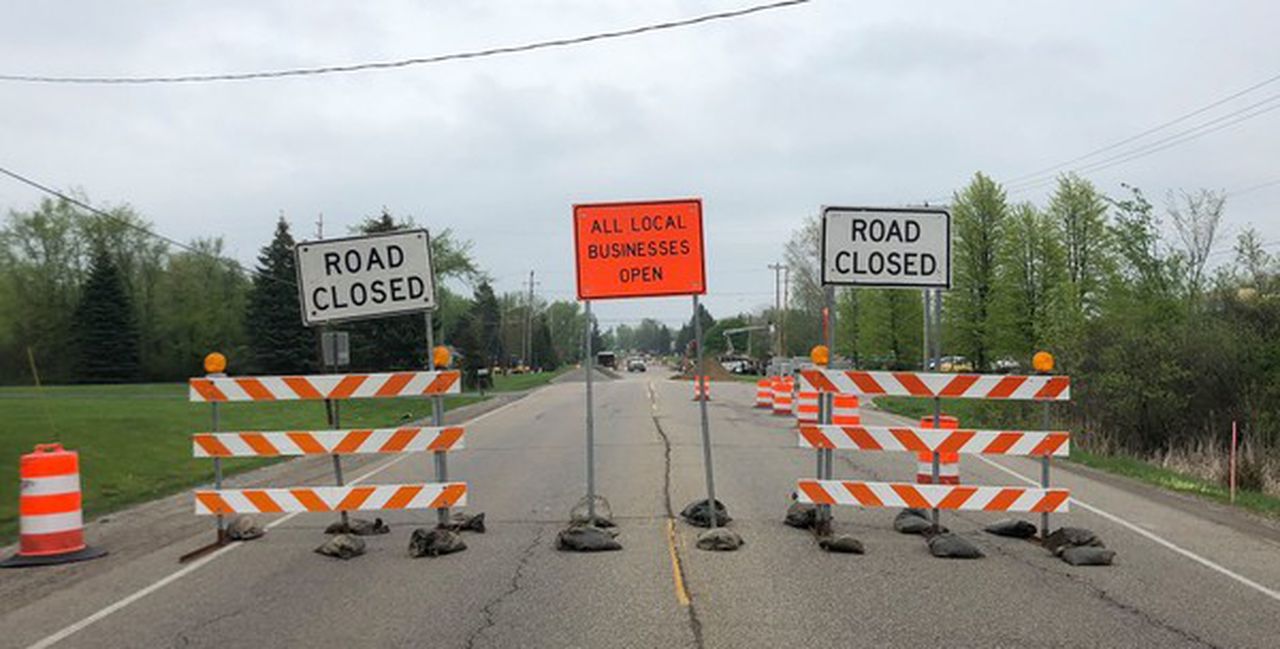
{"points": [[639, 249], [360, 278], [886, 248]]}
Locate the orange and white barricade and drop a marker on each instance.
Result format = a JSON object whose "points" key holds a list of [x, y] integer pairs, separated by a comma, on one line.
{"points": [[764, 393], [339, 498], [845, 410], [701, 388], [948, 461], [782, 397], [947, 440], [806, 406], [50, 521]]}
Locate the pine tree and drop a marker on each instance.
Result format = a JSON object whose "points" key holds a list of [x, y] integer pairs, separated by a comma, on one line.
{"points": [[544, 352], [279, 342], [390, 343], [105, 326], [467, 343], [488, 315]]}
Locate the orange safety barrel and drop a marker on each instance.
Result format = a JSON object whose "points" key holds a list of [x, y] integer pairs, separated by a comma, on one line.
{"points": [[701, 388], [764, 393], [948, 462], [806, 405], [844, 410], [781, 397], [50, 523]]}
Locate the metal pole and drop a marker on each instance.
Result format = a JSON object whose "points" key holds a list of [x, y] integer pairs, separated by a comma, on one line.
{"points": [[937, 403], [927, 342], [1044, 478], [826, 400], [587, 364], [439, 459], [1234, 441], [217, 475], [702, 408]]}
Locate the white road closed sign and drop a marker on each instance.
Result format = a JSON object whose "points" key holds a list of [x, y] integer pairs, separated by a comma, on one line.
{"points": [[365, 277], [886, 247]]}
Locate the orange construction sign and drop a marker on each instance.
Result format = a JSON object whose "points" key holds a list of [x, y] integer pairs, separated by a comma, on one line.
{"points": [[647, 249]]}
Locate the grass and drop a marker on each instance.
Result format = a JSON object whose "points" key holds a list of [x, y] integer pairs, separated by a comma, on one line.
{"points": [[1253, 501], [134, 440], [980, 414], [518, 382]]}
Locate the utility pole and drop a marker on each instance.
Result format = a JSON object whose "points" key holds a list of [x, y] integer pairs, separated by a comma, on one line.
{"points": [[320, 226], [777, 305], [526, 347], [786, 304]]}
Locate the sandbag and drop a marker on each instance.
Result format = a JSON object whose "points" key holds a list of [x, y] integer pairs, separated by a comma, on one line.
{"points": [[586, 538], [460, 522], [912, 521], [949, 546], [359, 527], [719, 539], [435, 542], [1088, 555], [841, 543], [699, 515], [801, 516], [342, 546], [1071, 537], [244, 528], [1012, 527]]}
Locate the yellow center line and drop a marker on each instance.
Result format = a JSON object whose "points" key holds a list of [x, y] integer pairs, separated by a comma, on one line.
{"points": [[682, 595]]}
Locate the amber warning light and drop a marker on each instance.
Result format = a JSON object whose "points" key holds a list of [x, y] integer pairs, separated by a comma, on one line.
{"points": [[642, 249]]}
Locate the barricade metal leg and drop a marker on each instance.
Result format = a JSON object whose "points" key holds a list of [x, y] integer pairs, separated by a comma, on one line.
{"points": [[335, 422], [937, 460], [439, 460], [1044, 479], [217, 477]]}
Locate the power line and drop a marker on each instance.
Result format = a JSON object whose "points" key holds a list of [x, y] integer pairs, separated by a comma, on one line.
{"points": [[403, 63], [233, 264], [1253, 188], [1149, 131], [1205, 128]]}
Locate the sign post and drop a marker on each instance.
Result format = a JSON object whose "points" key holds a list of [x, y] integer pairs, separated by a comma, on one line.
{"points": [[361, 278], [882, 247], [639, 249]]}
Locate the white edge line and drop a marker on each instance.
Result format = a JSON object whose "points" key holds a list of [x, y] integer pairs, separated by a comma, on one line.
{"points": [[1273, 594], [64, 633]]}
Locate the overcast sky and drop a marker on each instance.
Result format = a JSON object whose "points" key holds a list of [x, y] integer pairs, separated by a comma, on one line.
{"points": [[765, 117]]}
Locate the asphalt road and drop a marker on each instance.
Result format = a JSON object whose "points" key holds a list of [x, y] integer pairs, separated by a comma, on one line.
{"points": [[524, 462]]}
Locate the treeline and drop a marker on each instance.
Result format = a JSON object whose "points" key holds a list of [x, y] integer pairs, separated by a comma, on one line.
{"points": [[1167, 338], [94, 299]]}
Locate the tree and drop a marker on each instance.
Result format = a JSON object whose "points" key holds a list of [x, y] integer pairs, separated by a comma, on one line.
{"points": [[686, 334], [848, 323], [567, 324], [105, 325], [625, 337], [544, 351], [1031, 272], [488, 316], [802, 316], [201, 301], [1080, 214], [979, 214], [890, 328], [1196, 217], [467, 343], [278, 341]]}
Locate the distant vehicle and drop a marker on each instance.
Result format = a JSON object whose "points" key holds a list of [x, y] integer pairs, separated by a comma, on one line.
{"points": [[636, 365], [1005, 365], [956, 364], [607, 359]]}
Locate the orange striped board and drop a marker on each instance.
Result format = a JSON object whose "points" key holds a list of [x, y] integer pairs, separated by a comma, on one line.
{"points": [[927, 440], [923, 384], [409, 439], [332, 499], [324, 386], [953, 497]]}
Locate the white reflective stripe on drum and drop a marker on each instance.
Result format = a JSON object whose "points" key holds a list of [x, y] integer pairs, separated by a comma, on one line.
{"points": [[58, 484], [50, 523]]}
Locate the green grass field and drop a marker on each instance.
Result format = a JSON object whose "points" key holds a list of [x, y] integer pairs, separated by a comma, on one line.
{"points": [[982, 414], [134, 440]]}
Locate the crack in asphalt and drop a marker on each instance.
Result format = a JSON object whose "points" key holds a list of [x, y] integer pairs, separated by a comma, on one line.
{"points": [[183, 638], [490, 617], [695, 624]]}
